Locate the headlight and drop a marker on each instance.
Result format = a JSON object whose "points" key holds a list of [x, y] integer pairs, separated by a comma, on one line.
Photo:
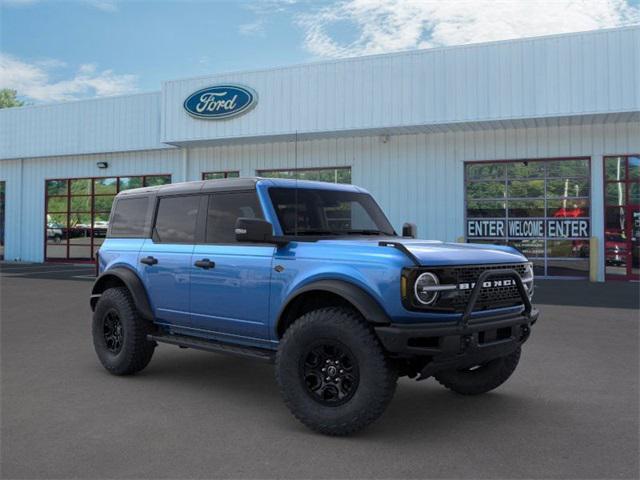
{"points": [[424, 289], [528, 279]]}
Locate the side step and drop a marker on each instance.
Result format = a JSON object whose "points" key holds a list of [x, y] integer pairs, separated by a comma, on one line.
{"points": [[184, 341]]}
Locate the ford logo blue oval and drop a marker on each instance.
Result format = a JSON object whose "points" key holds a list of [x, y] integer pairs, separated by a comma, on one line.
{"points": [[220, 101]]}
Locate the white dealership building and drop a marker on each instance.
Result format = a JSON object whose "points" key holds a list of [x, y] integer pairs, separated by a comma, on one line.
{"points": [[533, 142]]}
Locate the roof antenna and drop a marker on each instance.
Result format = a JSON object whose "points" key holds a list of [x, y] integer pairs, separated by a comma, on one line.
{"points": [[295, 211]]}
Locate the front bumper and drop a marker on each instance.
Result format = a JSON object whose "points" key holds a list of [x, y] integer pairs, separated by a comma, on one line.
{"points": [[466, 343], [452, 345]]}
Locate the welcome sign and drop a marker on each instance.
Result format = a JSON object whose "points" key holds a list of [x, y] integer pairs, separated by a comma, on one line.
{"points": [[220, 102], [529, 228]]}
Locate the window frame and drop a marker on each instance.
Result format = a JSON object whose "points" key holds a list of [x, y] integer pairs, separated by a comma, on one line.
{"points": [[197, 235], [67, 212], [205, 220], [544, 260]]}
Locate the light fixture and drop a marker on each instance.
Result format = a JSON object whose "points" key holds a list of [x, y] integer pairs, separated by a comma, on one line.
{"points": [[102, 164]]}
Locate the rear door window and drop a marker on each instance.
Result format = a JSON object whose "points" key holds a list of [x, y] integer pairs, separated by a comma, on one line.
{"points": [[129, 219], [225, 209], [176, 219]]}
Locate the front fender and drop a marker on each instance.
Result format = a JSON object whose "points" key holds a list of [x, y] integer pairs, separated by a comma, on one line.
{"points": [[126, 276]]}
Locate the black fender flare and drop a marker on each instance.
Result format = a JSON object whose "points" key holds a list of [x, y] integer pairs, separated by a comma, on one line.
{"points": [[368, 306], [133, 284]]}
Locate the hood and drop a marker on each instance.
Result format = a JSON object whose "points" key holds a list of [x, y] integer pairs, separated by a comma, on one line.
{"points": [[436, 253], [440, 253]]}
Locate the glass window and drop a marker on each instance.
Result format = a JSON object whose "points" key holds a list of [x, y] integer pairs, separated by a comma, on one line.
{"points": [[531, 248], [78, 211], [81, 204], [157, 180], [540, 207], [568, 208], [105, 186], [224, 209], [526, 208], [525, 169], [328, 212], [57, 204], [634, 193], [526, 189], [568, 188], [80, 186], [634, 168], [485, 171], [219, 175], [615, 193], [129, 218], [56, 187], [486, 190], [614, 168], [127, 183], [102, 203], [176, 219], [331, 175], [485, 208], [567, 168]]}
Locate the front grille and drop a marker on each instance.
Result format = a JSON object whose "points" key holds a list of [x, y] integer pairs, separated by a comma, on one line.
{"points": [[492, 297]]}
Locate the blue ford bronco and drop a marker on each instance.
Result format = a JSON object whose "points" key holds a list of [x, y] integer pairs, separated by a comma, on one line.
{"points": [[312, 277]]}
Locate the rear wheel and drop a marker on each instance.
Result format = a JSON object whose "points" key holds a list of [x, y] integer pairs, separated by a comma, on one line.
{"points": [[120, 333], [332, 372], [480, 378]]}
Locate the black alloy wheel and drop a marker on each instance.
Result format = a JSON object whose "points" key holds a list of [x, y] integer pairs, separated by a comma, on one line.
{"points": [[113, 331], [330, 373]]}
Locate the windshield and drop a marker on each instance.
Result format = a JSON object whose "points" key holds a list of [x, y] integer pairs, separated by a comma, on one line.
{"points": [[328, 212]]}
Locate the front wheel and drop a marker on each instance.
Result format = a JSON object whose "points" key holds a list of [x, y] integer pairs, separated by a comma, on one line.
{"points": [[480, 378], [332, 372]]}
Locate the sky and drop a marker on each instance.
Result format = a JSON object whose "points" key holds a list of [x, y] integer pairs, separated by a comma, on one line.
{"points": [[55, 50]]}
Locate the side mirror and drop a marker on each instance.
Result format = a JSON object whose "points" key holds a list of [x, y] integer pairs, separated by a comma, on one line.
{"points": [[254, 230], [409, 230]]}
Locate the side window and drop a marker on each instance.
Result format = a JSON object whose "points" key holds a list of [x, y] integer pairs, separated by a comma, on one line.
{"points": [[176, 219], [129, 218], [225, 209]]}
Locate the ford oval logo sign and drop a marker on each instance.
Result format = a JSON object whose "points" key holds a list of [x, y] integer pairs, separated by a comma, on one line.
{"points": [[220, 101]]}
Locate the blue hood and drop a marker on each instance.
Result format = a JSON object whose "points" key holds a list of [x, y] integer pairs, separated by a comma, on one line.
{"points": [[440, 253], [435, 253]]}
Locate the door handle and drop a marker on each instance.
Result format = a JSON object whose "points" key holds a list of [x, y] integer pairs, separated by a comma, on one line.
{"points": [[149, 260], [205, 263]]}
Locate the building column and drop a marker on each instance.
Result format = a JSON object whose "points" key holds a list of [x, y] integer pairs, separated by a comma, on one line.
{"points": [[597, 211]]}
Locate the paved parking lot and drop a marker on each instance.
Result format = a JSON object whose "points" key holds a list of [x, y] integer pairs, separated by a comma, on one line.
{"points": [[570, 411]]}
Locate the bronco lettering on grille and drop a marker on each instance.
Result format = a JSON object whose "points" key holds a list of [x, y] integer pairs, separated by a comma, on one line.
{"points": [[487, 284]]}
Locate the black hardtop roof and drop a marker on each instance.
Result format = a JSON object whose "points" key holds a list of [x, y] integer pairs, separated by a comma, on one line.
{"points": [[200, 186]]}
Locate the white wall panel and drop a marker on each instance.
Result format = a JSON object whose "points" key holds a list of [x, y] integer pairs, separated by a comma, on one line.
{"points": [[557, 76], [26, 189], [416, 177], [114, 124]]}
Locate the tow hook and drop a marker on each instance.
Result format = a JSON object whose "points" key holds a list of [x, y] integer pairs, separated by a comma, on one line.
{"points": [[467, 341]]}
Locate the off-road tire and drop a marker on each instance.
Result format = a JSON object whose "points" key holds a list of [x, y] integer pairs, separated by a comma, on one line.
{"points": [[482, 379], [136, 351], [377, 377]]}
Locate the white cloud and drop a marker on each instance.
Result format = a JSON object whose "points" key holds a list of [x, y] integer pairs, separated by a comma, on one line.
{"points": [[34, 80], [379, 26], [253, 28]]}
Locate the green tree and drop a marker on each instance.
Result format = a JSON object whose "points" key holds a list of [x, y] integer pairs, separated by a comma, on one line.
{"points": [[8, 98]]}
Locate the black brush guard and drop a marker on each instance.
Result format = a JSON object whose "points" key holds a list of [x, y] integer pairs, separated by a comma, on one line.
{"points": [[467, 342]]}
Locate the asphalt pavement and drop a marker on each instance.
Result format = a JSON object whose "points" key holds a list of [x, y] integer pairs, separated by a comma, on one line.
{"points": [[569, 411]]}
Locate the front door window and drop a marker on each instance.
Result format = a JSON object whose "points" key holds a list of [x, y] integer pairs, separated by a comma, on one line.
{"points": [[622, 216]]}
